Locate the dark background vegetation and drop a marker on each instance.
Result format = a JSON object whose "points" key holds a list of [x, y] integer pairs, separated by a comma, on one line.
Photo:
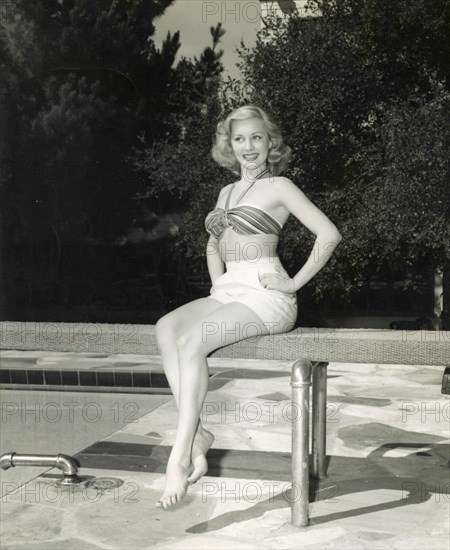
{"points": [[106, 174]]}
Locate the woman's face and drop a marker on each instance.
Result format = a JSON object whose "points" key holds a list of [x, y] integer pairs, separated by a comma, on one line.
{"points": [[250, 142]]}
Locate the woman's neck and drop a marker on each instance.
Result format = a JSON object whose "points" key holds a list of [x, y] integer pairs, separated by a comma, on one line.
{"points": [[251, 174]]}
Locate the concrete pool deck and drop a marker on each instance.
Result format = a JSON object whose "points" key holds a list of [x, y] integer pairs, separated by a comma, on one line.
{"points": [[387, 486]]}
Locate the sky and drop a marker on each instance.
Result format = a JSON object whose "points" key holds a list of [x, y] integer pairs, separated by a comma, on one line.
{"points": [[193, 18]]}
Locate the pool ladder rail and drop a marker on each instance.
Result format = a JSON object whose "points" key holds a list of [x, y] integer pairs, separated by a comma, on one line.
{"points": [[66, 463]]}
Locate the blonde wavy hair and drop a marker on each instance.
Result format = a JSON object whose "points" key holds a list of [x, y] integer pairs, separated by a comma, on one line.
{"points": [[222, 152]]}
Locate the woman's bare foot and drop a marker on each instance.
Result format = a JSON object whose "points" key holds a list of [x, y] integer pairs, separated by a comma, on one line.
{"points": [[202, 443], [176, 484]]}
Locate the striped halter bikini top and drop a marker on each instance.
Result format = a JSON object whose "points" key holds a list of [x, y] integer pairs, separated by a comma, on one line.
{"points": [[245, 219]]}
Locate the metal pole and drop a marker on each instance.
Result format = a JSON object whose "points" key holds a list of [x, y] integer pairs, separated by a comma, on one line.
{"points": [[300, 383], [319, 427]]}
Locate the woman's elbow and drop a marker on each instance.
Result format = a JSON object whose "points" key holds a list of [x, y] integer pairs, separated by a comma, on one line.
{"points": [[337, 237], [332, 235]]}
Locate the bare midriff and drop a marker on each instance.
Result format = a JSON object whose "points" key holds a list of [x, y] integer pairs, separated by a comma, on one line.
{"points": [[234, 247]]}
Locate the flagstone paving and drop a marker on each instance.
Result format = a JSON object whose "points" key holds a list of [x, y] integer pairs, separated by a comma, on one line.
{"points": [[387, 484]]}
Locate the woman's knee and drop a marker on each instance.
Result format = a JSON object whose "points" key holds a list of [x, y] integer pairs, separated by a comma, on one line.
{"points": [[189, 345]]}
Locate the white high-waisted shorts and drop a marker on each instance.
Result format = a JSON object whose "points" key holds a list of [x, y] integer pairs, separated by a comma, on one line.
{"points": [[240, 283]]}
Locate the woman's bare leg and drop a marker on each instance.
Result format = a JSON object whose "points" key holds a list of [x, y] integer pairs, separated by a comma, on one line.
{"points": [[224, 325], [168, 329]]}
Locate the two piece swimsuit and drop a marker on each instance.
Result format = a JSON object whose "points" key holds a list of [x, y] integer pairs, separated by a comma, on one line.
{"points": [[241, 281]]}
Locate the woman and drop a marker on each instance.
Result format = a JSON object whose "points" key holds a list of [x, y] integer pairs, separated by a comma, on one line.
{"points": [[253, 295]]}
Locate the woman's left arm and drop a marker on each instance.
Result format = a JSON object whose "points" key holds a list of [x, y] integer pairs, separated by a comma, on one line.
{"points": [[327, 235]]}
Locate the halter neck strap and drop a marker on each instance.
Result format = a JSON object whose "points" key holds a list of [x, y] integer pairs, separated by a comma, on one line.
{"points": [[245, 190]]}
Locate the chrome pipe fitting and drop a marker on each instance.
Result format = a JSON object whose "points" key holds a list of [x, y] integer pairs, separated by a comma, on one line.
{"points": [[67, 464]]}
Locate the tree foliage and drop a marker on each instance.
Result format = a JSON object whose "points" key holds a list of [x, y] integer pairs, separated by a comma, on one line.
{"points": [[361, 93], [100, 125], [103, 133], [178, 173], [85, 79]]}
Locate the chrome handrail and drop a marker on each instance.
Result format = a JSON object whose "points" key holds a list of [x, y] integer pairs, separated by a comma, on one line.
{"points": [[66, 463]]}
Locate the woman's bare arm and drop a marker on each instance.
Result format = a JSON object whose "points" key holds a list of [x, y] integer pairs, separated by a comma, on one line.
{"points": [[327, 234], [216, 267]]}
